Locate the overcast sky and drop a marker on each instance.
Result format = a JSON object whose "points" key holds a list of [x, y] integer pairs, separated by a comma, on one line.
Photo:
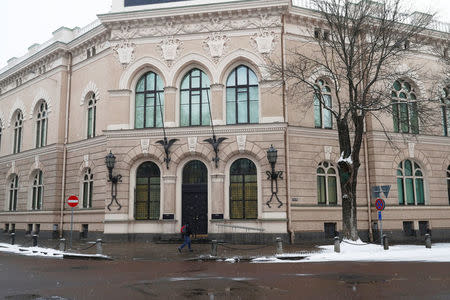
{"points": [[25, 22]]}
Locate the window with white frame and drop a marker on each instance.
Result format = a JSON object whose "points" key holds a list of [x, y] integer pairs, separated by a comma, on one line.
{"points": [[410, 183], [88, 188], [18, 127], [404, 107], [322, 105], [242, 96], [37, 191], [91, 115], [445, 107], [194, 97], [326, 184], [41, 125], [13, 190]]}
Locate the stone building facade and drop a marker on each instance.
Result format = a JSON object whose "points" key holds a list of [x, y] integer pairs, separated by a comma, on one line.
{"points": [[110, 86]]}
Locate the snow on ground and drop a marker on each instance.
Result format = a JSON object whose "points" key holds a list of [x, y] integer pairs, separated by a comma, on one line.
{"points": [[367, 252], [42, 252]]}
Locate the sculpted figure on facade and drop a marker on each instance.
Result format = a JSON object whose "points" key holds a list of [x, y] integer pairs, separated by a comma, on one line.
{"points": [[124, 48]]}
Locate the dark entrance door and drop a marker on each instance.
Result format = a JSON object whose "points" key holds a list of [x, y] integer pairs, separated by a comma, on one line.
{"points": [[195, 196]]}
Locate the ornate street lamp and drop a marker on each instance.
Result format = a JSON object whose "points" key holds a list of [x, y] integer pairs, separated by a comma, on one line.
{"points": [[272, 155], [110, 161]]}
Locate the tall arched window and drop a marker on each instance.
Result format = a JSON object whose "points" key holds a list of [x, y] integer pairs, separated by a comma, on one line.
{"points": [[149, 101], [326, 184], [448, 184], [243, 190], [410, 183], [147, 194], [13, 190], [41, 125], [404, 107], [91, 115], [322, 100], [88, 188], [38, 191], [242, 96], [18, 125], [194, 108], [445, 106]]}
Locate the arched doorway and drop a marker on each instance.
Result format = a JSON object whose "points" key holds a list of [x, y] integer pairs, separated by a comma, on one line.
{"points": [[195, 196], [147, 195]]}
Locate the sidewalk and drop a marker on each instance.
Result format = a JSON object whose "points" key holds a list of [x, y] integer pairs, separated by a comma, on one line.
{"points": [[153, 251]]}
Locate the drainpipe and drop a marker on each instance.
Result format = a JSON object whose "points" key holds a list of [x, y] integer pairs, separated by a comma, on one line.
{"points": [[66, 134], [366, 159], [286, 138]]}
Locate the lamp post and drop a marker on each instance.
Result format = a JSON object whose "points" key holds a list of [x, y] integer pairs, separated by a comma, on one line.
{"points": [[272, 155], [110, 161]]}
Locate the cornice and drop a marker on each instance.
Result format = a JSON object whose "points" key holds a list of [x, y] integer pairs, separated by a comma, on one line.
{"points": [[409, 138], [31, 153], [197, 131], [250, 6]]}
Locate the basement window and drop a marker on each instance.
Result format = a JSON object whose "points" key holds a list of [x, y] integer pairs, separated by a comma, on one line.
{"points": [[330, 230], [29, 229], [408, 228], [424, 227], [37, 228]]}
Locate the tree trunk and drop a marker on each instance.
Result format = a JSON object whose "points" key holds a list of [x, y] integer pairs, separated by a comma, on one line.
{"points": [[348, 180]]}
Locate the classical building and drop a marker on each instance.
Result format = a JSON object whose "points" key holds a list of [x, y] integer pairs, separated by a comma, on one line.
{"points": [[177, 92]]}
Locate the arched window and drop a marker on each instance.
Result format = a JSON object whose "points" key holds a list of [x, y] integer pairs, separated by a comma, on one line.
{"points": [[41, 125], [88, 188], [445, 106], [243, 190], [242, 96], [404, 107], [149, 101], [410, 184], [326, 184], [194, 108], [322, 101], [91, 115], [147, 193], [38, 191], [18, 123], [13, 190], [448, 183]]}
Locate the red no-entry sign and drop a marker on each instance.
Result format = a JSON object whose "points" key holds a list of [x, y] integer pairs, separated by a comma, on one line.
{"points": [[72, 201]]}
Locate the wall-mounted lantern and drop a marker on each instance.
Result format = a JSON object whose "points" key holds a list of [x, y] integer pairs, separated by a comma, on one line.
{"points": [[272, 155], [110, 161]]}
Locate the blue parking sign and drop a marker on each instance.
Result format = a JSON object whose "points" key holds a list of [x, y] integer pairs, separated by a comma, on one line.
{"points": [[379, 215]]}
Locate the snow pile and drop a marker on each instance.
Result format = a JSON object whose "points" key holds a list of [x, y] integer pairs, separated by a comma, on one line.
{"points": [[358, 251], [347, 159], [30, 251]]}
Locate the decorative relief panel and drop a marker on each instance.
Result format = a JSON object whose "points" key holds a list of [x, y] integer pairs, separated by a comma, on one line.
{"points": [[36, 161], [411, 149], [123, 48], [86, 160], [170, 49], [216, 43], [241, 140], [327, 150], [263, 41], [192, 143], [145, 144]]}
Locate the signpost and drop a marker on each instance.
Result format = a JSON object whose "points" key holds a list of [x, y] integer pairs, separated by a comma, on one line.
{"points": [[380, 204], [72, 202]]}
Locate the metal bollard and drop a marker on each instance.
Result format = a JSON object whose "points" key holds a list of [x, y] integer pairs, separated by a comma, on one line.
{"points": [[13, 238], [62, 244], [279, 245], [428, 240], [385, 242], [34, 240], [214, 248], [99, 246], [337, 245]]}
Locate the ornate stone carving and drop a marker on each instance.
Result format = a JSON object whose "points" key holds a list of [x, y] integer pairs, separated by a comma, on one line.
{"points": [[170, 49], [124, 52], [263, 41], [216, 43], [327, 150], [411, 149], [145, 144], [241, 140], [36, 161], [86, 160], [41, 95], [90, 87], [192, 143]]}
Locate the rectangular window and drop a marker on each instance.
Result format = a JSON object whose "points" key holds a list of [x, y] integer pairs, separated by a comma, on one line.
{"points": [[327, 120], [409, 187], [423, 227], [330, 230], [90, 117], [408, 228], [317, 112], [84, 231], [420, 192], [321, 192], [332, 193], [401, 194], [29, 229]]}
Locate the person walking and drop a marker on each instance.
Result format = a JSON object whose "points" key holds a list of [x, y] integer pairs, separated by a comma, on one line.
{"points": [[186, 233]]}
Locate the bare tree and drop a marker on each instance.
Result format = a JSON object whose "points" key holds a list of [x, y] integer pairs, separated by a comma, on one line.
{"points": [[359, 49]]}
